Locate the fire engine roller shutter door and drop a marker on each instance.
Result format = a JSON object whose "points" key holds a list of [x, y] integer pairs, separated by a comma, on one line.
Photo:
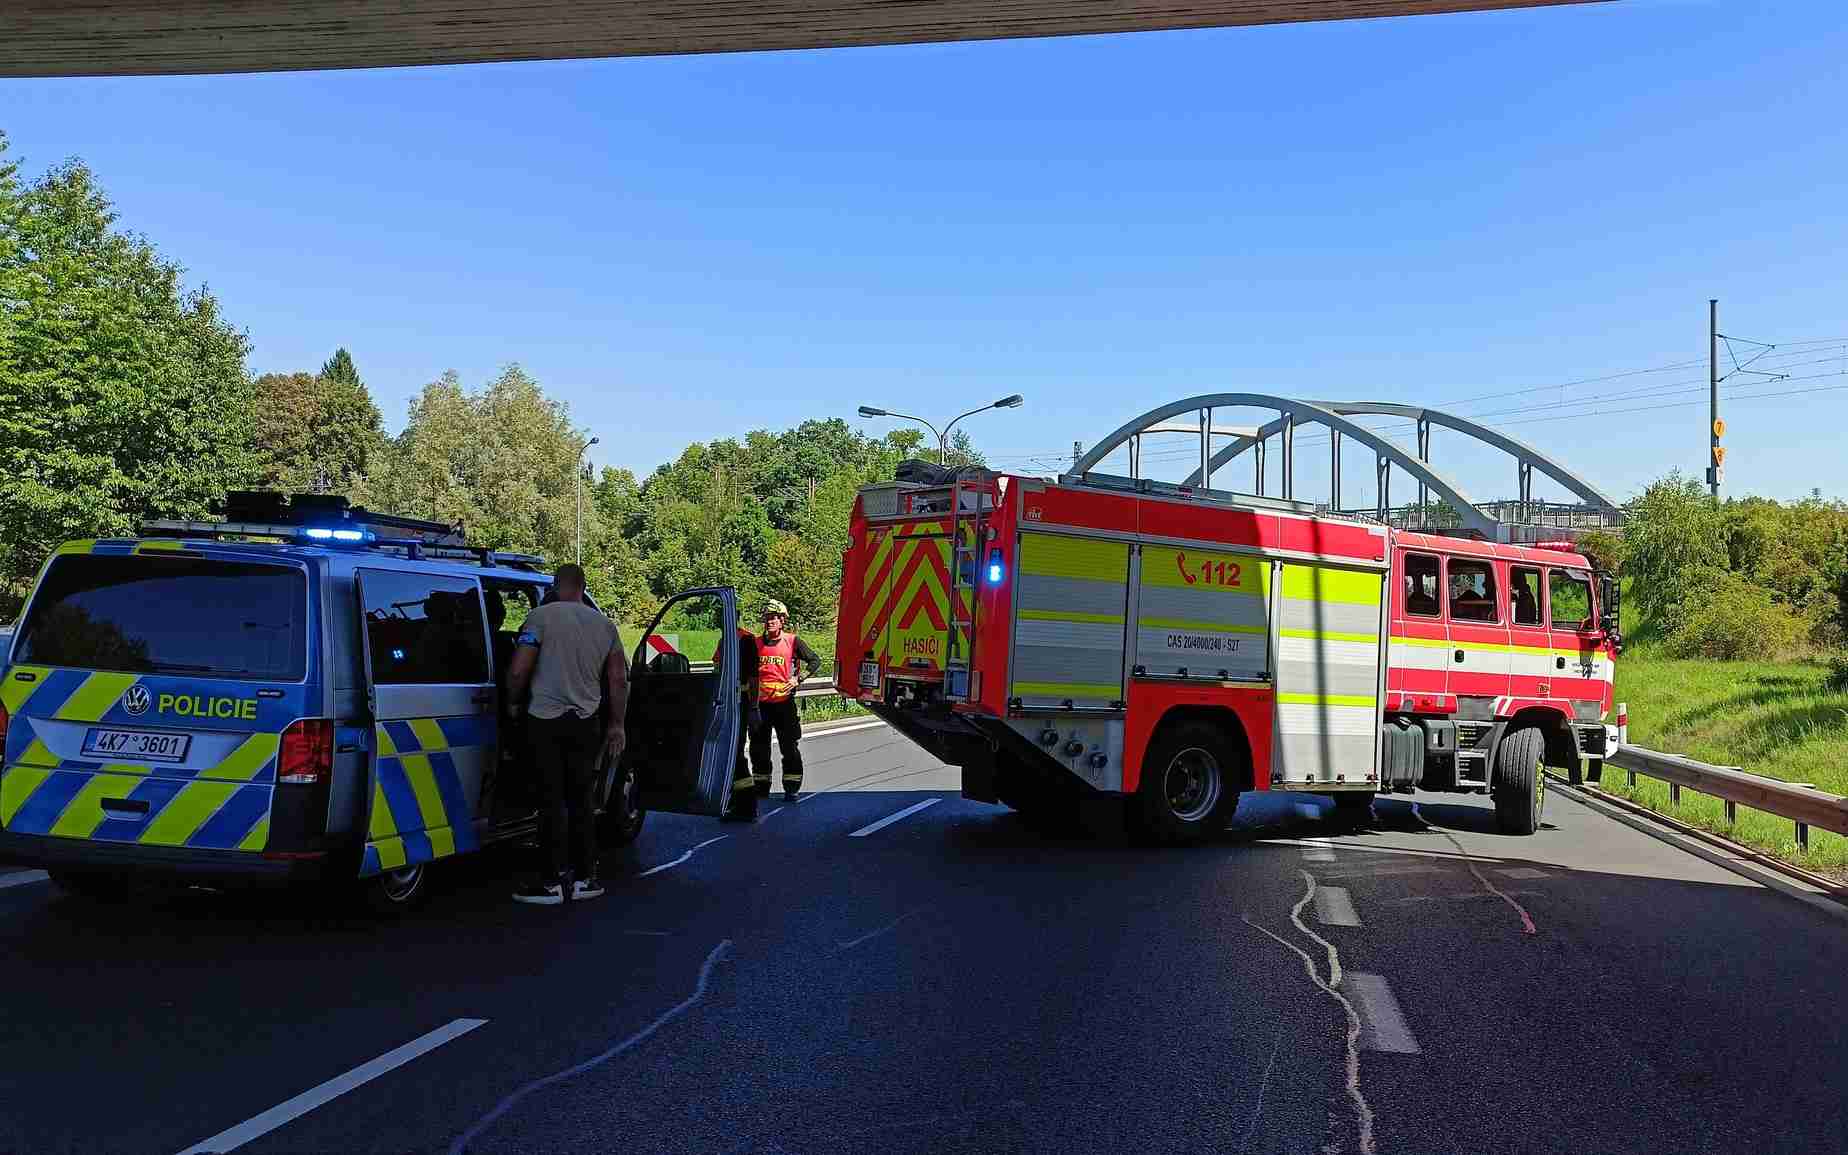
{"points": [[1328, 665], [1069, 621], [1203, 613]]}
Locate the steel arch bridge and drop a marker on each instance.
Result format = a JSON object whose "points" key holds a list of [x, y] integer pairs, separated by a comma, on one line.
{"points": [[1522, 519]]}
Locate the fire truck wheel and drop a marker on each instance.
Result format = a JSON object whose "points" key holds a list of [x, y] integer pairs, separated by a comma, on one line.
{"points": [[1520, 787], [1190, 785]]}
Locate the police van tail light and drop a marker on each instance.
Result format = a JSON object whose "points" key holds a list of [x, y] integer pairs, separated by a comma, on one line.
{"points": [[307, 754]]}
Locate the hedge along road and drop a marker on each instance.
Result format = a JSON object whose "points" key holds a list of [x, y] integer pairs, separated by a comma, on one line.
{"points": [[955, 980]]}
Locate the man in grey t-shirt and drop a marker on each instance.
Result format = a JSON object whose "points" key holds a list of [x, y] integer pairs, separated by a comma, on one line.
{"points": [[570, 657]]}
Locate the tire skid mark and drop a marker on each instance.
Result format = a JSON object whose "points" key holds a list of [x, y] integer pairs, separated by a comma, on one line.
{"points": [[1363, 1113], [1527, 920]]}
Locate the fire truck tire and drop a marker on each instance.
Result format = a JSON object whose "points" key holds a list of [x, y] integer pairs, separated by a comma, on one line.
{"points": [[1190, 785], [1520, 786]]}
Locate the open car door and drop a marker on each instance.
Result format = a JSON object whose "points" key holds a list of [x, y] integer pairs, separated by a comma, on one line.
{"points": [[684, 716]]}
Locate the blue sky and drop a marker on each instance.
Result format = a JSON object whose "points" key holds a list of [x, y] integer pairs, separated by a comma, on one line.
{"points": [[1451, 210]]}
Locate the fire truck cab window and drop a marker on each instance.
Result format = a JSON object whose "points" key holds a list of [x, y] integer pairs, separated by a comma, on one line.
{"points": [[1421, 585], [1525, 595], [1472, 591], [1571, 600]]}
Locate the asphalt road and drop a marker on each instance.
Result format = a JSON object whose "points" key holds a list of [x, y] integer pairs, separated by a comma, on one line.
{"points": [[957, 981]]}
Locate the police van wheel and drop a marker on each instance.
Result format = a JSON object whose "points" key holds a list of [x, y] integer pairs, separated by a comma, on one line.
{"points": [[1190, 785], [621, 821], [397, 890], [1520, 785], [91, 887]]}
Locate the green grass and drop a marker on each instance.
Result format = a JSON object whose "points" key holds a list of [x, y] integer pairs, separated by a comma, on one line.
{"points": [[1778, 719]]}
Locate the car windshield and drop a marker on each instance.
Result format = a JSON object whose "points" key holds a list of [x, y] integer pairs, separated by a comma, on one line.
{"points": [[147, 613]]}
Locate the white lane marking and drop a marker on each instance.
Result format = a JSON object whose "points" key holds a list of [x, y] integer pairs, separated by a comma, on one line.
{"points": [[1335, 907], [1523, 872], [853, 728], [774, 813], [277, 1116], [1440, 855], [682, 858], [1363, 1114], [891, 818], [1382, 1025], [1316, 850], [1387, 870], [893, 925], [507, 1104], [23, 878]]}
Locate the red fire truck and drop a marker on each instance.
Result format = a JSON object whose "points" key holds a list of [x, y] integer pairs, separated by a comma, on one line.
{"points": [[1109, 641]]}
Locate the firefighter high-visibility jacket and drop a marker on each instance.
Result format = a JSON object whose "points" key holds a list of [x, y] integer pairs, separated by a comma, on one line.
{"points": [[776, 665]]}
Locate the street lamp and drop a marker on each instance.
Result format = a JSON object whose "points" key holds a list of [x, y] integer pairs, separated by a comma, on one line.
{"points": [[579, 478], [1012, 401]]}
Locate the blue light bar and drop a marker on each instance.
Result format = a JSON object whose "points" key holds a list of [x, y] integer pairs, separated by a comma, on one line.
{"points": [[343, 536]]}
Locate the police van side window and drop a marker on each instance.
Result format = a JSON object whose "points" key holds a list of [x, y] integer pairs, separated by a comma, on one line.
{"points": [[423, 629], [1472, 591], [1421, 585]]}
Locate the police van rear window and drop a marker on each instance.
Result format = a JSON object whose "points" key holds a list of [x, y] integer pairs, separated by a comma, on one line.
{"points": [[186, 616]]}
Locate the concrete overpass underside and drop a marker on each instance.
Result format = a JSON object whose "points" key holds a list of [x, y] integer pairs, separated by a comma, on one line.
{"points": [[145, 37]]}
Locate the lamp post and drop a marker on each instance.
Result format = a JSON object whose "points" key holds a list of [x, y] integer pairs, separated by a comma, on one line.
{"points": [[1013, 401], [579, 478]]}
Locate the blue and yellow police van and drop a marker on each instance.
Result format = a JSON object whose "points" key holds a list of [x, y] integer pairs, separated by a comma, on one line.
{"points": [[308, 692]]}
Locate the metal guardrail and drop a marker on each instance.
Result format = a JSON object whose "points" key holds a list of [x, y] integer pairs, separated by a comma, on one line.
{"points": [[817, 688], [1802, 804]]}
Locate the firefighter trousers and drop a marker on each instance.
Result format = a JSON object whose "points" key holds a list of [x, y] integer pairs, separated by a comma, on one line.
{"points": [[782, 718], [744, 789]]}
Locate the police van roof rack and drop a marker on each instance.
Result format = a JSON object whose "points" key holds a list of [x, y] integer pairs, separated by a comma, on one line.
{"points": [[267, 514]]}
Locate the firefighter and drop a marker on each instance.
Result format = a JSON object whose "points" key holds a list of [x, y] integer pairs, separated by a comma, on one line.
{"points": [[779, 651]]}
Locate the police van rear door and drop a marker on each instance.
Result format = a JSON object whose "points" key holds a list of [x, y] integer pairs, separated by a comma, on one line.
{"points": [[150, 692], [433, 703], [684, 717]]}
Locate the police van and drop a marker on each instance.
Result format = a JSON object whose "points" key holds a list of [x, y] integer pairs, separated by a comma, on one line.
{"points": [[310, 692]]}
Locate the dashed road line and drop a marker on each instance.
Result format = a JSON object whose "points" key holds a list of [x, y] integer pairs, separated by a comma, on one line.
{"points": [[1315, 850], [889, 819], [1334, 906], [507, 1104], [682, 858], [283, 1113], [1382, 1024]]}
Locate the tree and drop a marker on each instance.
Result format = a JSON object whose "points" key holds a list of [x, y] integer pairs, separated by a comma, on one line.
{"points": [[339, 368], [315, 434], [1673, 546], [122, 395]]}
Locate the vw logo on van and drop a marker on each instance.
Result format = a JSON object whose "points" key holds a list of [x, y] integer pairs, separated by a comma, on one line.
{"points": [[136, 700]]}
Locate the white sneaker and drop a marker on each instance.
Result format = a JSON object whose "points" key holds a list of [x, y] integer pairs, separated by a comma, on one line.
{"points": [[584, 889]]}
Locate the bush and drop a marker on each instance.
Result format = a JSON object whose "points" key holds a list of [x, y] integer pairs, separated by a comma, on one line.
{"points": [[1734, 619], [1837, 681]]}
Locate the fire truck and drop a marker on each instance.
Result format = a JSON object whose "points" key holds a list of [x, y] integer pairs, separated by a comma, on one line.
{"points": [[1107, 643]]}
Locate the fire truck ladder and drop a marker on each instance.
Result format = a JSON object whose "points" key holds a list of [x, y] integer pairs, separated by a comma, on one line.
{"points": [[1521, 519], [971, 500]]}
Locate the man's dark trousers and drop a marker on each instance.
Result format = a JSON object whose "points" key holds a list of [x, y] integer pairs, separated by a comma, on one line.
{"points": [[565, 752], [782, 718]]}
